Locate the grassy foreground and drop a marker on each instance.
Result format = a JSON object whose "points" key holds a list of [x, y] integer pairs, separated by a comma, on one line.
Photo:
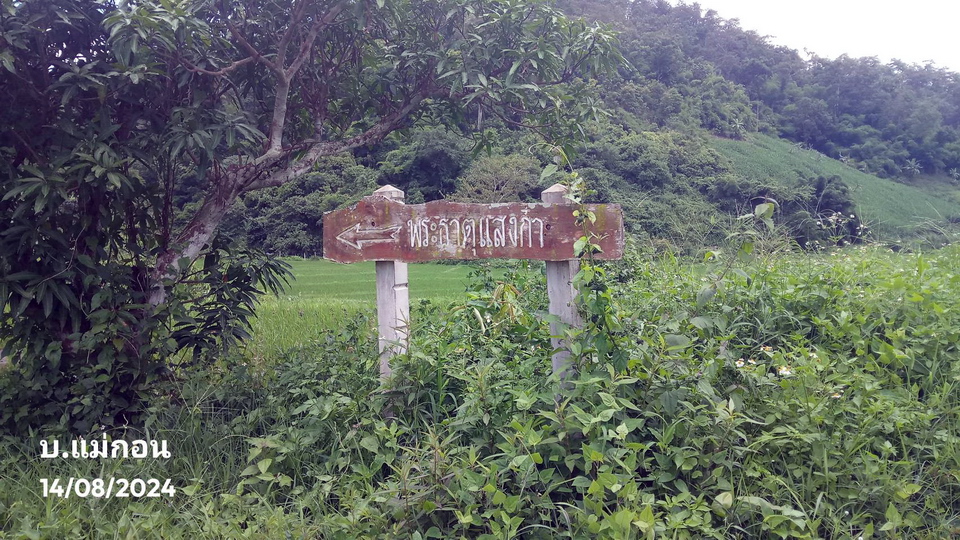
{"points": [[813, 396]]}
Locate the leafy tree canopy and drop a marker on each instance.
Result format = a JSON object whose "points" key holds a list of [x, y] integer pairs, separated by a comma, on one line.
{"points": [[120, 111]]}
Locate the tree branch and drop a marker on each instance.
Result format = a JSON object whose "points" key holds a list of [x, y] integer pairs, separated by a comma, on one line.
{"points": [[317, 150], [220, 72], [315, 30], [251, 50], [284, 42], [285, 76]]}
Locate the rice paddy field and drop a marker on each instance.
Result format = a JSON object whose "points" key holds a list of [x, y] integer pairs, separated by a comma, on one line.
{"points": [[890, 207], [325, 292]]}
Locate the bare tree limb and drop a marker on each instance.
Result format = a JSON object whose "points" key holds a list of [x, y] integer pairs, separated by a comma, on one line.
{"points": [[220, 72], [315, 30], [285, 76], [251, 50], [320, 149]]}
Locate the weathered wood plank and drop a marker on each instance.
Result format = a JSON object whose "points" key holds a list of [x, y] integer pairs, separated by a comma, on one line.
{"points": [[380, 229]]}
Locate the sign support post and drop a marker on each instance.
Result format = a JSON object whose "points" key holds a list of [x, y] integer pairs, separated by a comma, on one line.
{"points": [[561, 294], [393, 301]]}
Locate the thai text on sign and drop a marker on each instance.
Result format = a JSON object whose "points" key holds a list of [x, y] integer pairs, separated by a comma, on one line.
{"points": [[377, 228]]}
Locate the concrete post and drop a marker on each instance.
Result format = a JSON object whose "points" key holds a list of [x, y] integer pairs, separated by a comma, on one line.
{"points": [[561, 293]]}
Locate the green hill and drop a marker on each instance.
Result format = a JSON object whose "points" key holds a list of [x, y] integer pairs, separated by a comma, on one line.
{"points": [[890, 207]]}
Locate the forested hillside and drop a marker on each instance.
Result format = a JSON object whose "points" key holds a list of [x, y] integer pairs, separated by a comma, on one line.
{"points": [[695, 110]]}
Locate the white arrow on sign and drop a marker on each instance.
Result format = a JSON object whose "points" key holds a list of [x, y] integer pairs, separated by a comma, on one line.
{"points": [[356, 237]]}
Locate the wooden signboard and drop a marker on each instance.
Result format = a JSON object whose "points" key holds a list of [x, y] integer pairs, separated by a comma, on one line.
{"points": [[381, 229]]}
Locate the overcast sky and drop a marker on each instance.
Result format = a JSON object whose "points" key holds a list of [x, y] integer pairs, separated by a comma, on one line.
{"points": [[914, 31]]}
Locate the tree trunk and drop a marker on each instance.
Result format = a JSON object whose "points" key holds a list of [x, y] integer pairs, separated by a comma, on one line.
{"points": [[191, 242]]}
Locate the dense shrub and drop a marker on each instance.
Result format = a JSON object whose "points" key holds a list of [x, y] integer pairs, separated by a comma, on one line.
{"points": [[762, 396]]}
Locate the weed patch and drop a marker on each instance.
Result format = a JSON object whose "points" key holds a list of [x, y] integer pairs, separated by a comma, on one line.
{"points": [[809, 396]]}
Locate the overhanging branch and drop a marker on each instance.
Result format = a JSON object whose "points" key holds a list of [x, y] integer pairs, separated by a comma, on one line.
{"points": [[317, 150]]}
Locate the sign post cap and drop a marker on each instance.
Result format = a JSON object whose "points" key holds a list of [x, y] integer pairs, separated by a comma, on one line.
{"points": [[390, 192], [554, 194]]}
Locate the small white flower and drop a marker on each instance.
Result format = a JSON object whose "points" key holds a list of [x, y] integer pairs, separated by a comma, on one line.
{"points": [[740, 363], [784, 371]]}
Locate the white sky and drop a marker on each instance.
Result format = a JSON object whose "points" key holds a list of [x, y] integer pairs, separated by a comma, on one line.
{"points": [[914, 31]]}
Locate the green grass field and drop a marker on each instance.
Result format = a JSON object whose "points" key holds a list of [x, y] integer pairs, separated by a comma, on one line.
{"points": [[890, 207], [325, 293], [353, 283]]}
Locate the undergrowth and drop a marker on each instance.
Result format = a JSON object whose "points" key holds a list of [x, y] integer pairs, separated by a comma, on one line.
{"points": [[784, 396]]}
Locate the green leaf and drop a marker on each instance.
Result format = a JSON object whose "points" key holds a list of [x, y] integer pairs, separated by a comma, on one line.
{"points": [[906, 491], [371, 443], [706, 294], [579, 246], [669, 401], [703, 323], [764, 210], [548, 171], [646, 520], [893, 516], [676, 341], [6, 59]]}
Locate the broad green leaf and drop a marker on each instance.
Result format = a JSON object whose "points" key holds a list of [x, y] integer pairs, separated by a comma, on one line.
{"points": [[548, 171], [703, 323], [676, 341], [706, 294]]}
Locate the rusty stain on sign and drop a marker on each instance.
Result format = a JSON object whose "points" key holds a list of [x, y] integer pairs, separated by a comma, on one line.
{"points": [[380, 229]]}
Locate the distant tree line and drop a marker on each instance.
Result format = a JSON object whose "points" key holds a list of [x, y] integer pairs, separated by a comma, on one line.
{"points": [[687, 75], [688, 66]]}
